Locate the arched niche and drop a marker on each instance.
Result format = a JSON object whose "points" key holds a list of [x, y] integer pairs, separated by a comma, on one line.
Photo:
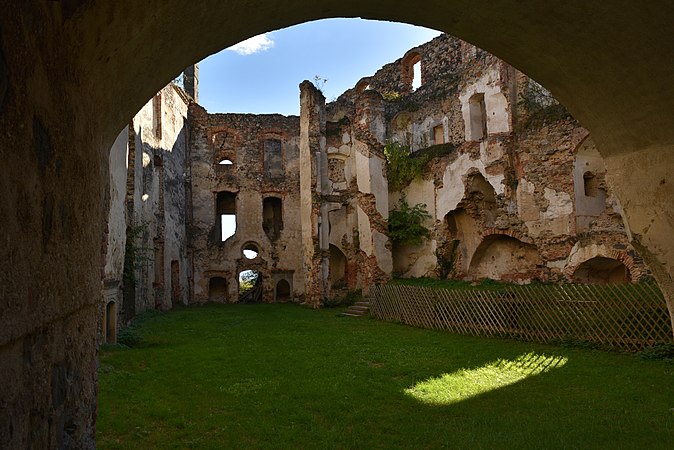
{"points": [[283, 291], [502, 257], [601, 270]]}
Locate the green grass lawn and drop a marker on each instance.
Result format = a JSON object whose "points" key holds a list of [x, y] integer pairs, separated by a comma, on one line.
{"points": [[281, 376]]}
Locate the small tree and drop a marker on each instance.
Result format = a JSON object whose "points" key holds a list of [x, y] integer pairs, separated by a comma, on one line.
{"points": [[319, 82], [406, 223]]}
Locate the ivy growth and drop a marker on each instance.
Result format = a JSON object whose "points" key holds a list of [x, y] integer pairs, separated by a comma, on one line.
{"points": [[406, 223], [402, 167], [134, 255]]}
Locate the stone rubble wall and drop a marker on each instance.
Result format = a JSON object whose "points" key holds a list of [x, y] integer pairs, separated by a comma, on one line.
{"points": [[505, 186], [527, 165], [240, 138], [148, 212]]}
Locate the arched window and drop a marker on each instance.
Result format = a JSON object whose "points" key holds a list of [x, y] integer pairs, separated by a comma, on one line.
{"points": [[225, 162], [250, 250], [363, 85], [250, 286], [282, 291], [411, 70]]}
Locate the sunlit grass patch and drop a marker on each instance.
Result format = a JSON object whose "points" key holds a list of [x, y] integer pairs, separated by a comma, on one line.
{"points": [[466, 383]]}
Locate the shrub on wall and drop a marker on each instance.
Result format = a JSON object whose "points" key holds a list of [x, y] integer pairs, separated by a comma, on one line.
{"points": [[402, 167], [406, 223]]}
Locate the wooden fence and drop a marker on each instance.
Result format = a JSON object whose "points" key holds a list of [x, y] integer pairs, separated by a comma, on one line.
{"points": [[625, 316]]}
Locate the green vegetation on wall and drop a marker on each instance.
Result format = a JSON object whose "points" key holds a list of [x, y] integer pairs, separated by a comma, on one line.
{"points": [[406, 223], [402, 167]]}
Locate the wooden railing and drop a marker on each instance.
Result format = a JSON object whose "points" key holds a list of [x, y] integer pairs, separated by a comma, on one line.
{"points": [[624, 316]]}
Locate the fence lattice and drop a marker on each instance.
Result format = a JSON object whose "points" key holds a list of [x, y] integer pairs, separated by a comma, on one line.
{"points": [[626, 316]]}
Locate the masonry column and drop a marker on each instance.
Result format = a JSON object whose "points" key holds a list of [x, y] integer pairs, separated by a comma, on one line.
{"points": [[312, 156], [372, 207], [642, 180]]}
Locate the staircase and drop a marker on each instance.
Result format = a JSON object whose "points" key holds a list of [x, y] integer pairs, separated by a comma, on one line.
{"points": [[361, 308]]}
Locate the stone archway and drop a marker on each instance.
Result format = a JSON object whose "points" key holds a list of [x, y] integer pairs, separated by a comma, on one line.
{"points": [[282, 293], [503, 257], [597, 261], [73, 72], [600, 270]]}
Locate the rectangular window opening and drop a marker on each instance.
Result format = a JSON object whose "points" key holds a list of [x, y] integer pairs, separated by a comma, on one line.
{"points": [[225, 210]]}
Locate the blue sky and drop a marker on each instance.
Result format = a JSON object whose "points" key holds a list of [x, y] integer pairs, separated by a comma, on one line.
{"points": [[262, 74]]}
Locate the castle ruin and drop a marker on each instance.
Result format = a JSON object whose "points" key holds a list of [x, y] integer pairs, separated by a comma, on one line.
{"points": [[514, 188]]}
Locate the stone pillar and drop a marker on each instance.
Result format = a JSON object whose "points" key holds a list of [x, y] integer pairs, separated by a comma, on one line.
{"points": [[642, 180], [372, 207], [312, 174], [191, 81]]}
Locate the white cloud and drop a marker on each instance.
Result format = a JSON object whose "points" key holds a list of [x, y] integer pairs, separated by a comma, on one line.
{"points": [[256, 44]]}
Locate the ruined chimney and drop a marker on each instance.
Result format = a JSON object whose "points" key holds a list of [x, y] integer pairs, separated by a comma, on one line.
{"points": [[191, 81]]}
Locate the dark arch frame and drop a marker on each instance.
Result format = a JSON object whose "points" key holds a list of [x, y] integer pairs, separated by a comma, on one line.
{"points": [[51, 78]]}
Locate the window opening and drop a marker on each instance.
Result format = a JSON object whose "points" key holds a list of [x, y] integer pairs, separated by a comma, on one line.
{"points": [[156, 115], [225, 210], [438, 135], [416, 75], [250, 286], [590, 184], [478, 117], [225, 162], [337, 267], [217, 289], [282, 291], [250, 251], [272, 217], [273, 158], [363, 85]]}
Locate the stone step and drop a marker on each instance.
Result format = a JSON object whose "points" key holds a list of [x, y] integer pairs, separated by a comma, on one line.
{"points": [[356, 311], [359, 307]]}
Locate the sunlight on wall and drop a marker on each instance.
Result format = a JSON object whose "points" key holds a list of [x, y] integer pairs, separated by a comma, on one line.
{"points": [[466, 383]]}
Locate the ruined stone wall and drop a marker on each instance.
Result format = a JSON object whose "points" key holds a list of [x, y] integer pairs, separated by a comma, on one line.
{"points": [[356, 195], [147, 209], [114, 239], [505, 174], [263, 156]]}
